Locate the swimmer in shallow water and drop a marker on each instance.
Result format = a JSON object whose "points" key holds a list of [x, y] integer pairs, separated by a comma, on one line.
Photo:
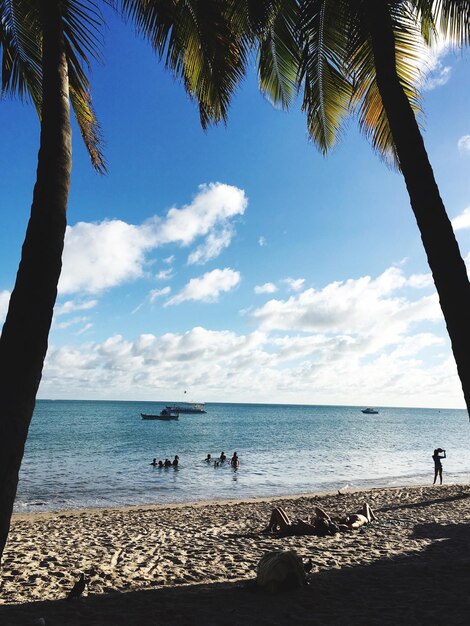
{"points": [[154, 463]]}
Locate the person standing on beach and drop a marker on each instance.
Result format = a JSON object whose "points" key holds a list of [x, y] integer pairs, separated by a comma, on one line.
{"points": [[439, 454]]}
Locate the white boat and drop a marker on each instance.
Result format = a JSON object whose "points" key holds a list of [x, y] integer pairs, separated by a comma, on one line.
{"points": [[369, 411], [188, 407]]}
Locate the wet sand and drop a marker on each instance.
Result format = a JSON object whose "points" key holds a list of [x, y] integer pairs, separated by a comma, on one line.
{"points": [[189, 563]]}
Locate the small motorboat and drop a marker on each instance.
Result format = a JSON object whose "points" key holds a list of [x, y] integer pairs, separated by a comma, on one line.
{"points": [[188, 407], [166, 414], [369, 411]]}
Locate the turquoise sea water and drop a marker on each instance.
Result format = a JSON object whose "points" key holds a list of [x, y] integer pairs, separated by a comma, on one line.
{"points": [[97, 454]]}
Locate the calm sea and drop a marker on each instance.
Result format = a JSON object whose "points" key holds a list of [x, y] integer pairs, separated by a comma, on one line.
{"points": [[97, 454]]}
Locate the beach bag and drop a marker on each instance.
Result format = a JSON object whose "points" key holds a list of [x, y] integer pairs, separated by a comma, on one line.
{"points": [[280, 571]]}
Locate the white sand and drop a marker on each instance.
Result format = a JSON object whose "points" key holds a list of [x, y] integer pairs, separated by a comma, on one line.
{"points": [[142, 548]]}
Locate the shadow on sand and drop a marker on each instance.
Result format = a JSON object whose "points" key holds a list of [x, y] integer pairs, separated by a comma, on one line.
{"points": [[430, 587]]}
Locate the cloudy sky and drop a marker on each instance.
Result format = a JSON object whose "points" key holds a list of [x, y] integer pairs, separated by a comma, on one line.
{"points": [[238, 264]]}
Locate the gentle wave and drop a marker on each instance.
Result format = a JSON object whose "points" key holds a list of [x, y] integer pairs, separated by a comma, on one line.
{"points": [[97, 454]]}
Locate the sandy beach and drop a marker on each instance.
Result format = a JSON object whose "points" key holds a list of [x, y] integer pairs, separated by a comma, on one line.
{"points": [[189, 563]]}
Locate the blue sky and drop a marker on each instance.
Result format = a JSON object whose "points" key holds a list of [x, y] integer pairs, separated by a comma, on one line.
{"points": [[239, 264]]}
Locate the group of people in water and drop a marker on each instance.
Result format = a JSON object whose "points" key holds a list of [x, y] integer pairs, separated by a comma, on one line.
{"points": [[222, 459], [166, 462], [234, 461]]}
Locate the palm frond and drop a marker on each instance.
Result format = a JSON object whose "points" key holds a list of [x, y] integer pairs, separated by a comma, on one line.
{"points": [[279, 53], [366, 99], [199, 45], [451, 17], [81, 24], [21, 37], [20, 51], [327, 89]]}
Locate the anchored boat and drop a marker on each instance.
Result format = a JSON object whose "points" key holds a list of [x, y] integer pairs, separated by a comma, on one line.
{"points": [[166, 414]]}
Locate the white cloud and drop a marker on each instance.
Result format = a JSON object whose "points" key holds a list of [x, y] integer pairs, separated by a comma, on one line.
{"points": [[420, 281], [255, 367], [262, 241], [374, 334], [73, 305], [438, 77], [85, 328], [158, 293], [462, 221], [169, 259], [98, 256], [71, 322], [213, 206], [208, 287], [294, 284], [213, 245], [164, 274], [463, 144], [364, 306], [266, 288], [435, 73], [4, 300]]}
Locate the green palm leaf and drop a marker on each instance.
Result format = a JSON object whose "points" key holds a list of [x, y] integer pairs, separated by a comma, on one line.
{"points": [[200, 45], [366, 99], [279, 54], [327, 88], [21, 60], [20, 51]]}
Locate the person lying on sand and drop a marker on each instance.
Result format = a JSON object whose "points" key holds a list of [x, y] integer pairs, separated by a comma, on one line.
{"points": [[321, 525]]}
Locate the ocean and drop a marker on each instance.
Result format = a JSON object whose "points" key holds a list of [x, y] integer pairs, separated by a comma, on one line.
{"points": [[82, 454]]}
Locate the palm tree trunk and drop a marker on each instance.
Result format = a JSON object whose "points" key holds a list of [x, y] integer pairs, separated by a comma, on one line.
{"points": [[444, 258], [23, 343]]}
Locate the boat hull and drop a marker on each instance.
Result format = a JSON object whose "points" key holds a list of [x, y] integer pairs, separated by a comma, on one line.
{"points": [[164, 418], [187, 409]]}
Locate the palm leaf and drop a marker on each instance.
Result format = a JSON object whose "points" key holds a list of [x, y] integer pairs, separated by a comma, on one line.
{"points": [[21, 59], [199, 45], [366, 99], [279, 53], [81, 24], [20, 51], [327, 87], [451, 18]]}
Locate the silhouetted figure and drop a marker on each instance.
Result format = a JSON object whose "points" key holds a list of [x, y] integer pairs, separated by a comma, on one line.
{"points": [[78, 588], [176, 461], [154, 462], [235, 461], [222, 457], [167, 463], [160, 463], [208, 459], [439, 454]]}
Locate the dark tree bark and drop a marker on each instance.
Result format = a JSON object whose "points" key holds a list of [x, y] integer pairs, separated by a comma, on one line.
{"points": [[444, 258], [23, 343]]}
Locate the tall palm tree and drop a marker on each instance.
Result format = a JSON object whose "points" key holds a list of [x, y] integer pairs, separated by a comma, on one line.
{"points": [[361, 56], [45, 48]]}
